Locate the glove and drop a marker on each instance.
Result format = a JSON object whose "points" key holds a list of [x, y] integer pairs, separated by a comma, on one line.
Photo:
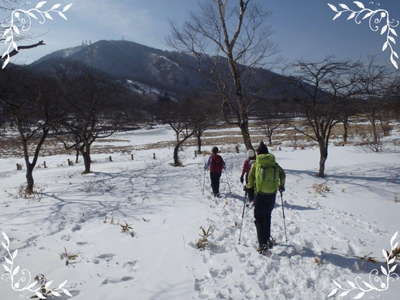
{"points": [[241, 179], [281, 189]]}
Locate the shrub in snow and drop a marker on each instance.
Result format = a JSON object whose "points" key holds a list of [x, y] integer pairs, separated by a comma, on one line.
{"points": [[36, 194], [375, 146], [69, 257], [321, 188], [127, 228], [203, 242]]}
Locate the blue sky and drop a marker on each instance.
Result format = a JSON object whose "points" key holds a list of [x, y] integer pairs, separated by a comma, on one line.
{"points": [[303, 29]]}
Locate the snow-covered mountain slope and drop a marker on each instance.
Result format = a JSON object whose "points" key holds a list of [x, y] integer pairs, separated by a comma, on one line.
{"points": [[171, 72], [166, 207], [161, 70]]}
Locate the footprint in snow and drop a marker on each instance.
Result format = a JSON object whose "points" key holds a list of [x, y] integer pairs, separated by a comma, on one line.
{"points": [[116, 280], [77, 227], [107, 257], [81, 243], [131, 266]]}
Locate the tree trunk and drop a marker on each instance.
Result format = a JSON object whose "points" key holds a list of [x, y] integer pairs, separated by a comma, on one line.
{"points": [[345, 131], [374, 131], [323, 150], [269, 138], [244, 128], [31, 165], [29, 179], [198, 143], [385, 126], [77, 156], [86, 158], [176, 154]]}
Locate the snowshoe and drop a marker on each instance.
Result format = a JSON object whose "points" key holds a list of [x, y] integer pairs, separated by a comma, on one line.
{"points": [[264, 250]]}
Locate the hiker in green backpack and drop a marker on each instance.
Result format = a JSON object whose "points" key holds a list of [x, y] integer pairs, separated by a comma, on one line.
{"points": [[266, 177]]}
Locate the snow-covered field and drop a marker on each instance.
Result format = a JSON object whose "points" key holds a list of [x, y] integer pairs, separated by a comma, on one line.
{"points": [[165, 207]]}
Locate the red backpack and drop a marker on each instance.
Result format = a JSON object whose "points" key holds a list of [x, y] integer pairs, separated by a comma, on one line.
{"points": [[216, 164]]}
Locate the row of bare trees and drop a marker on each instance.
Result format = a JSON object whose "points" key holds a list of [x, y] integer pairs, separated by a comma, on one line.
{"points": [[332, 92], [235, 37], [76, 107], [337, 90], [231, 39]]}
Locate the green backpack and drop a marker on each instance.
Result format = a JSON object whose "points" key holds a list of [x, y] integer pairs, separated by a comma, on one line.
{"points": [[267, 174]]}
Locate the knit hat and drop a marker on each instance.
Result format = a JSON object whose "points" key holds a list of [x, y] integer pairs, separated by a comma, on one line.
{"points": [[262, 148], [251, 153], [215, 150]]}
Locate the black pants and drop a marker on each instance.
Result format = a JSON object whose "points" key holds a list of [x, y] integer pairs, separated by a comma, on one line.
{"points": [[215, 177], [264, 204]]}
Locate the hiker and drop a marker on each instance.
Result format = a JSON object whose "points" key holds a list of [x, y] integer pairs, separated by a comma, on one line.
{"points": [[215, 164], [251, 156], [266, 177]]}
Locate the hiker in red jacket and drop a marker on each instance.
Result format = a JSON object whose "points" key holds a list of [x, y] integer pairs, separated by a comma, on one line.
{"points": [[215, 164], [251, 157]]}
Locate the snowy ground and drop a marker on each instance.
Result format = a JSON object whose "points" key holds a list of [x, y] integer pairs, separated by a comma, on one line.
{"points": [[166, 207]]}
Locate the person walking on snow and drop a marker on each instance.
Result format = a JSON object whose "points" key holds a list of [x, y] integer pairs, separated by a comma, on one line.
{"points": [[266, 177], [251, 156], [215, 164]]}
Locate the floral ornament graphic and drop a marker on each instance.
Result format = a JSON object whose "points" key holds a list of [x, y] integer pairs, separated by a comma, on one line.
{"points": [[21, 21], [21, 279], [375, 283], [379, 21]]}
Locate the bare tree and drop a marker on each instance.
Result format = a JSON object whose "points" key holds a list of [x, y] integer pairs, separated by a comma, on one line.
{"points": [[270, 126], [375, 82], [30, 102], [205, 115], [325, 84], [91, 110], [235, 35], [271, 119], [371, 109], [349, 107], [394, 98], [179, 116]]}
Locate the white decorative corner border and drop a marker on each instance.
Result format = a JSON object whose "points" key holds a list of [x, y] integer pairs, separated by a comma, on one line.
{"points": [[21, 22], [375, 282], [21, 279], [379, 20]]}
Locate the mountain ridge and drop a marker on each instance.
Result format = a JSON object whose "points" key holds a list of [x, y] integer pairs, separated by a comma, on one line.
{"points": [[169, 72]]}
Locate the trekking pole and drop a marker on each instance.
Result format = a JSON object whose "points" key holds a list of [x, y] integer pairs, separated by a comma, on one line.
{"points": [[284, 220], [244, 208], [227, 181], [204, 181]]}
